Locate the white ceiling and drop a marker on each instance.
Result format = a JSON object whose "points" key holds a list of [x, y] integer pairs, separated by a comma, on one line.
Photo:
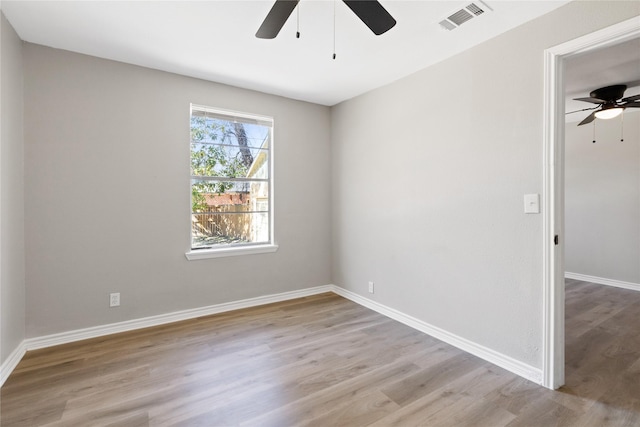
{"points": [[215, 40]]}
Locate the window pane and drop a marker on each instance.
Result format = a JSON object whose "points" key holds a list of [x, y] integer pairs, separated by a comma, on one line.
{"points": [[206, 129], [227, 212], [221, 195], [231, 161], [228, 227]]}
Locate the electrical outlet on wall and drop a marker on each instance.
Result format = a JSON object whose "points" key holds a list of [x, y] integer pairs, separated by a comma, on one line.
{"points": [[370, 287], [114, 299]]}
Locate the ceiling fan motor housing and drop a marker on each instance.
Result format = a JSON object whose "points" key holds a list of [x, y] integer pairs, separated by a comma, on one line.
{"points": [[609, 93]]}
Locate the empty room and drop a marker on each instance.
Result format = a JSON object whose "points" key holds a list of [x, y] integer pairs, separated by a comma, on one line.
{"points": [[320, 212]]}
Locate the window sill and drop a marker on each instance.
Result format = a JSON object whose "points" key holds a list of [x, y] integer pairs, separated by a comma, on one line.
{"points": [[225, 252]]}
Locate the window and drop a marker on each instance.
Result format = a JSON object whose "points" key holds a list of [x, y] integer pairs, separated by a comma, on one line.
{"points": [[231, 183]]}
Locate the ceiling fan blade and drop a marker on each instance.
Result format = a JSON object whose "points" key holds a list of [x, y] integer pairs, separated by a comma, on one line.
{"points": [[591, 117], [631, 105], [630, 98], [584, 109], [592, 100], [373, 14], [276, 18]]}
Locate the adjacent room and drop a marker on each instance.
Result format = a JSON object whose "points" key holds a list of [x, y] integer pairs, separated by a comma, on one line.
{"points": [[319, 213]]}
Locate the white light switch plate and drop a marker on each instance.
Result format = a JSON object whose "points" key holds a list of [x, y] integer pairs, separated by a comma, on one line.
{"points": [[532, 203]]}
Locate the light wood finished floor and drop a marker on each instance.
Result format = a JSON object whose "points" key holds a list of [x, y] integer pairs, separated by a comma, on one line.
{"points": [[326, 361]]}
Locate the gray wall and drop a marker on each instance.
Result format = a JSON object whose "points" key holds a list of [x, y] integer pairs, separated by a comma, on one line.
{"points": [[602, 199], [107, 194], [12, 285], [429, 177]]}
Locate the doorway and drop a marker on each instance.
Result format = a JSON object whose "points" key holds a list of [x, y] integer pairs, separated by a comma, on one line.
{"points": [[553, 189]]}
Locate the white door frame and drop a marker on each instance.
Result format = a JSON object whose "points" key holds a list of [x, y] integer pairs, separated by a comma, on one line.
{"points": [[553, 189]]}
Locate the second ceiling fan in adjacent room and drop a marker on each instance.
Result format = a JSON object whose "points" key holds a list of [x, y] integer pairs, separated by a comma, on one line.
{"points": [[610, 103]]}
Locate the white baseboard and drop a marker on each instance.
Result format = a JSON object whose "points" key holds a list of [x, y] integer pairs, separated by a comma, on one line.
{"points": [[602, 281], [499, 359], [510, 364], [11, 362], [161, 319]]}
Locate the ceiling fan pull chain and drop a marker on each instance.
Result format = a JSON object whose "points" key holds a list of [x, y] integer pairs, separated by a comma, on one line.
{"points": [[622, 128], [334, 29], [594, 132]]}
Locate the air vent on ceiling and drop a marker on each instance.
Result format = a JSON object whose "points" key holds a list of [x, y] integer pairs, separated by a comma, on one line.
{"points": [[460, 16]]}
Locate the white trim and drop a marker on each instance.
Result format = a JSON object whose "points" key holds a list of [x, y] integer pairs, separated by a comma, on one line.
{"points": [[510, 364], [552, 297], [11, 362], [250, 249], [603, 281], [232, 114], [161, 319], [553, 191], [230, 251]]}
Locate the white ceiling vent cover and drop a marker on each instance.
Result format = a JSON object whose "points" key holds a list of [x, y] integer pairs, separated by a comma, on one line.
{"points": [[460, 16]]}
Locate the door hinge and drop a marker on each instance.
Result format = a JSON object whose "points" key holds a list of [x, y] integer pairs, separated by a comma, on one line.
{"points": [[555, 240]]}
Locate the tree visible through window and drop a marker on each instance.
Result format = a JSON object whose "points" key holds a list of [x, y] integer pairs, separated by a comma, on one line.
{"points": [[230, 179]]}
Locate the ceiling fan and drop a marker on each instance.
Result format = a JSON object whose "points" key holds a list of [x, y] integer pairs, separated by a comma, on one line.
{"points": [[371, 12], [610, 103]]}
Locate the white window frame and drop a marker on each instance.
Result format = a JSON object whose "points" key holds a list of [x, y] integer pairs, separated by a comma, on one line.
{"points": [[245, 249]]}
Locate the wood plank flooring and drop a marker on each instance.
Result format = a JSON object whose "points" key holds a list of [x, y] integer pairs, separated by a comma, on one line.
{"points": [[326, 361]]}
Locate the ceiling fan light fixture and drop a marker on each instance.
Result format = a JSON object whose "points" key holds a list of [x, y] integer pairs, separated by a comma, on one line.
{"points": [[609, 113]]}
